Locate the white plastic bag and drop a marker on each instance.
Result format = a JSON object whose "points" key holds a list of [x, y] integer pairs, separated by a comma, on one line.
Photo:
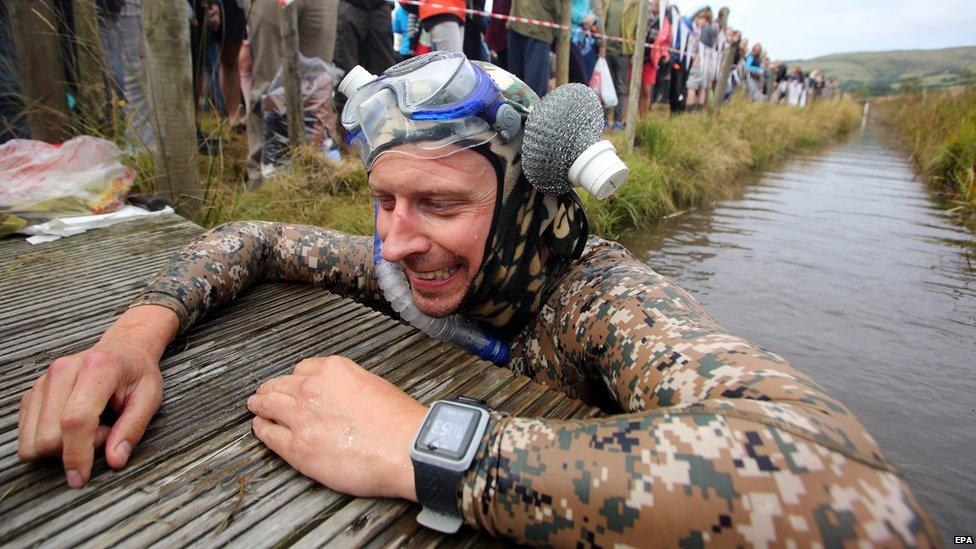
{"points": [[82, 176], [317, 81], [602, 83]]}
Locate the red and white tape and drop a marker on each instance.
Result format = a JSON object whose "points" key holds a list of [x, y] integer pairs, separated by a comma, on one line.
{"points": [[539, 22]]}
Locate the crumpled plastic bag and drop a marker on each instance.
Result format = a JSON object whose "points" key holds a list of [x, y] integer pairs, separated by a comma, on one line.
{"points": [[602, 83], [318, 80], [41, 181]]}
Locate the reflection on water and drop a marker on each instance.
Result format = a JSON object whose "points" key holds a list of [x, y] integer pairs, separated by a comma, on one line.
{"points": [[843, 264]]}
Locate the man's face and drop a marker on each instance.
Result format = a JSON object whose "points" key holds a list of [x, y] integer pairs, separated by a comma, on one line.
{"points": [[434, 218]]}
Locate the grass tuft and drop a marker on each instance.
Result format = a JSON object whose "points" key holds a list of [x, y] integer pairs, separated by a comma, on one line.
{"points": [[939, 133]]}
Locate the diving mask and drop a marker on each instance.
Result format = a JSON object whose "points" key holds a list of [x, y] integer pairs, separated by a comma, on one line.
{"points": [[439, 101]]}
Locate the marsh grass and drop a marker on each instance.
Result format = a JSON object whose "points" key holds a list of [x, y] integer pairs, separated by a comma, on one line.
{"points": [[677, 162], [684, 161], [938, 131]]}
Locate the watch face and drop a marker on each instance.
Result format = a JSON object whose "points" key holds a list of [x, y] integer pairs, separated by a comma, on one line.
{"points": [[448, 431]]}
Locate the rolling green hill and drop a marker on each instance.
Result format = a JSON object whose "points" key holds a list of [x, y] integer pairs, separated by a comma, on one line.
{"points": [[887, 71]]}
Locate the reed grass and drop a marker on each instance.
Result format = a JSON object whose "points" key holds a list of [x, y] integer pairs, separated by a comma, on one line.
{"points": [[677, 162], [938, 131]]}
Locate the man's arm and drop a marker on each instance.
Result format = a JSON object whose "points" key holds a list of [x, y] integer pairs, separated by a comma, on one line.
{"points": [[59, 416], [221, 263], [723, 441]]}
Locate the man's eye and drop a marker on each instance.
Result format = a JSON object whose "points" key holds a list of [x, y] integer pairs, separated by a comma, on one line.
{"points": [[439, 207], [386, 202]]}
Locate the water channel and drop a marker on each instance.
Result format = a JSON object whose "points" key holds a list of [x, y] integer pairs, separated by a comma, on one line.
{"points": [[843, 263]]}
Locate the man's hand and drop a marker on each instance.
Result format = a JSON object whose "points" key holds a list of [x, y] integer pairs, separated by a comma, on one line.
{"points": [[60, 414], [341, 425]]}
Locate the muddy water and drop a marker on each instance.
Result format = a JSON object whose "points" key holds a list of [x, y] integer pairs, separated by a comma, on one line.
{"points": [[842, 263]]}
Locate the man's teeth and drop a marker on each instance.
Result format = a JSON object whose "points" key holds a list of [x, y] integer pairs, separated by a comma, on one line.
{"points": [[436, 275]]}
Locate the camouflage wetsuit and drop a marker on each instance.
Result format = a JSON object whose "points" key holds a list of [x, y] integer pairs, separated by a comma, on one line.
{"points": [[720, 441]]}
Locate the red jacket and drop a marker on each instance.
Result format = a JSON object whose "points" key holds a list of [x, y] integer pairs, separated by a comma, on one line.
{"points": [[446, 10]]}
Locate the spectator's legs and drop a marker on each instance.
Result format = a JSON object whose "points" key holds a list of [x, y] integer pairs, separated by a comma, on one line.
{"points": [[577, 66], [245, 65], [447, 36], [13, 125], [677, 92], [351, 19], [620, 69], [262, 25], [378, 43], [110, 33], [528, 59], [230, 47], [139, 126], [317, 28], [515, 55]]}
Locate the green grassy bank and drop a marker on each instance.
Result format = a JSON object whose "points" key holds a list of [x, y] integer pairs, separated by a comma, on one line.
{"points": [[677, 163], [939, 133]]}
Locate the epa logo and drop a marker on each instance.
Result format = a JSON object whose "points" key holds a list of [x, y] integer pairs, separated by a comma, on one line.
{"points": [[964, 540]]}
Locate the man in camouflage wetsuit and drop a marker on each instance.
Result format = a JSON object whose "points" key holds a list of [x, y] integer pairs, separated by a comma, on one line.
{"points": [[716, 440]]}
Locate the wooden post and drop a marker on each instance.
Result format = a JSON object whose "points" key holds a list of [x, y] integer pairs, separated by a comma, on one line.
{"points": [[170, 95], [636, 70], [723, 73], [91, 66], [291, 71], [33, 28], [562, 50]]}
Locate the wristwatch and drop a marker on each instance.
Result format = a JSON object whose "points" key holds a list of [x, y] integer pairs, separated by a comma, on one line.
{"points": [[441, 453]]}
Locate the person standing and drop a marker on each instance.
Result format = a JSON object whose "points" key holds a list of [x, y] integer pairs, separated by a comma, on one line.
{"points": [[529, 44], [621, 22], [701, 43], [317, 38]]}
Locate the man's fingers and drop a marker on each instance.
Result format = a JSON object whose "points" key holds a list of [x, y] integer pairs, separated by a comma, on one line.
{"points": [[308, 367], [138, 408], [98, 379], [277, 407], [30, 408], [274, 436], [290, 385], [59, 381], [101, 435]]}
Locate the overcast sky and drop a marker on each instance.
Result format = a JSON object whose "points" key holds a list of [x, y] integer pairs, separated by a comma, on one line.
{"points": [[801, 29]]}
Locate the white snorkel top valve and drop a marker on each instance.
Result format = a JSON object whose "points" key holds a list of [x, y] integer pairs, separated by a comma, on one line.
{"points": [[564, 146], [355, 79]]}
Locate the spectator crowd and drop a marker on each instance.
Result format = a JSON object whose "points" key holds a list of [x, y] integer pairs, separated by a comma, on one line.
{"points": [[235, 50]]}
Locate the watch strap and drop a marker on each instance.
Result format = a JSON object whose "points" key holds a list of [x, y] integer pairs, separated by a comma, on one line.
{"points": [[436, 487]]}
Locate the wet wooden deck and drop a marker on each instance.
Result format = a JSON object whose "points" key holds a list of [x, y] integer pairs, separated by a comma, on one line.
{"points": [[200, 476]]}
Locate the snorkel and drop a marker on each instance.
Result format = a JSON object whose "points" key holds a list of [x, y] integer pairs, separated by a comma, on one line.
{"points": [[382, 113], [454, 329]]}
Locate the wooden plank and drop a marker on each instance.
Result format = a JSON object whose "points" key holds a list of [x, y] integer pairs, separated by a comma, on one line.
{"points": [[199, 476]]}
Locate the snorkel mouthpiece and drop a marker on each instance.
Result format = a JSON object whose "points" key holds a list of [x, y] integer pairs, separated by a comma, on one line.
{"points": [[563, 145]]}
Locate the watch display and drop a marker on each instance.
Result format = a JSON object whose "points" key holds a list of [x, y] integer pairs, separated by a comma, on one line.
{"points": [[449, 431]]}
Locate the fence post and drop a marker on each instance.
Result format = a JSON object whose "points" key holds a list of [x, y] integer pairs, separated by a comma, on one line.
{"points": [[170, 95], [91, 66], [562, 50], [33, 29], [290, 70], [636, 70], [723, 74]]}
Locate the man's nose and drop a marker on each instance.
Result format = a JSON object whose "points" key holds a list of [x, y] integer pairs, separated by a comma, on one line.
{"points": [[404, 236]]}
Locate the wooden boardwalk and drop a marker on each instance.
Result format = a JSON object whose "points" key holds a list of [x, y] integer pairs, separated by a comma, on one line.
{"points": [[200, 476]]}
